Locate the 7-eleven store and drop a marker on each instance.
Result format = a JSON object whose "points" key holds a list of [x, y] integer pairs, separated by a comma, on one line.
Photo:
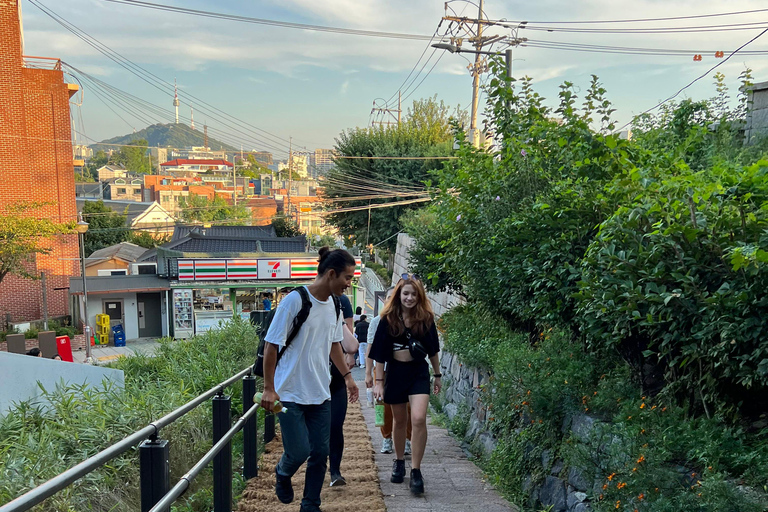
{"points": [[208, 291]]}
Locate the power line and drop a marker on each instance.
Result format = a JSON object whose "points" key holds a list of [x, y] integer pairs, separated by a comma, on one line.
{"points": [[650, 30], [275, 23], [640, 20], [142, 73], [701, 76]]}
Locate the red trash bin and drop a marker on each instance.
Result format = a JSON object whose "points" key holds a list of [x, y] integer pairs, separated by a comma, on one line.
{"points": [[64, 347]]}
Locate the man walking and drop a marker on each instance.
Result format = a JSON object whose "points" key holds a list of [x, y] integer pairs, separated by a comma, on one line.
{"points": [[301, 380]]}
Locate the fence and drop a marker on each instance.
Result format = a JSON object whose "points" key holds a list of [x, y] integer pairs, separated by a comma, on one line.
{"points": [[154, 462], [31, 61]]}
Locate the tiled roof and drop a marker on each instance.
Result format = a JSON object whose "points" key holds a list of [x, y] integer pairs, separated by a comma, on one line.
{"points": [[232, 232], [192, 161], [125, 251], [222, 245], [134, 208]]}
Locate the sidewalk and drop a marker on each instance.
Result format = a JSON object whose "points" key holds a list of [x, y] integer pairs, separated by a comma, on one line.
{"points": [[106, 353], [451, 481]]}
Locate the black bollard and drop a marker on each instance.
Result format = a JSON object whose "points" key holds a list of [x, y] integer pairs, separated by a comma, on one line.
{"points": [[154, 472], [250, 431], [222, 462]]}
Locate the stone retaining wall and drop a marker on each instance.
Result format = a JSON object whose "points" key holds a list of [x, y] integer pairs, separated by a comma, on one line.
{"points": [[565, 489]]}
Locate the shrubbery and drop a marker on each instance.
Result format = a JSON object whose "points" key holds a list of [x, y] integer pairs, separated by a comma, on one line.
{"points": [[39, 443], [654, 248], [646, 453]]}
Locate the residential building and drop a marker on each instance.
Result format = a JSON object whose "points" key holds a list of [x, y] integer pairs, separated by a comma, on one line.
{"points": [[92, 191], [140, 216], [757, 115], [128, 188], [191, 166], [263, 210], [109, 171], [263, 157], [323, 161], [168, 191], [116, 260], [198, 153], [36, 159], [82, 152]]}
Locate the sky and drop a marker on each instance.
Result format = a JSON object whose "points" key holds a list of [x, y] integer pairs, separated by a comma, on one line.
{"points": [[268, 88]]}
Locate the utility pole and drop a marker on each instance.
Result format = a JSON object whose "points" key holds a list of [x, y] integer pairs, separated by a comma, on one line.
{"points": [[399, 106], [390, 111], [290, 174], [476, 78]]}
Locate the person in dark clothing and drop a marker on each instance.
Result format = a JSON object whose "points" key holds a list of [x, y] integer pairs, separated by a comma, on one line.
{"points": [[361, 331], [339, 397]]}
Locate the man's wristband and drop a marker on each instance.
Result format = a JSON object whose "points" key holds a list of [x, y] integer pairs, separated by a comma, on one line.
{"points": [[345, 375], [437, 375]]}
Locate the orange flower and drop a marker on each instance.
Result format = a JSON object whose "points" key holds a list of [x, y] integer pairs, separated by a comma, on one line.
{"points": [[618, 504], [605, 486], [634, 469], [642, 406], [610, 477], [642, 431], [629, 417], [663, 409], [652, 408], [641, 497], [641, 459], [595, 393], [621, 485], [600, 497]]}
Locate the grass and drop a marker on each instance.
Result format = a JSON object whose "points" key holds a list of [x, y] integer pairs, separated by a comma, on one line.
{"points": [[39, 443]]}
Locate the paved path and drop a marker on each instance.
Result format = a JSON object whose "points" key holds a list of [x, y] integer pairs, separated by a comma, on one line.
{"points": [[105, 353], [452, 482]]}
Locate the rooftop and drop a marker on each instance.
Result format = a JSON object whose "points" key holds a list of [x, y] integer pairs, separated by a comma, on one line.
{"points": [[196, 161], [125, 251]]}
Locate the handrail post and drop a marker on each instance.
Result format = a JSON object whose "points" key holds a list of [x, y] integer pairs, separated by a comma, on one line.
{"points": [[250, 431], [269, 426], [155, 472], [222, 462]]}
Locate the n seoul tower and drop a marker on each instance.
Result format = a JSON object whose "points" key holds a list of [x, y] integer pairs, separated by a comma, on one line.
{"points": [[176, 100]]}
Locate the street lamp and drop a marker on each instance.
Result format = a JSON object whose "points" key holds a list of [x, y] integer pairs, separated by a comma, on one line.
{"points": [[81, 227]]}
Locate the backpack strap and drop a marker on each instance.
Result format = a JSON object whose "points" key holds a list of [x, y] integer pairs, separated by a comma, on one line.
{"points": [[337, 304], [298, 321]]}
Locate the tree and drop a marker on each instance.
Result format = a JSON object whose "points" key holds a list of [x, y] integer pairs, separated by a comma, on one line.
{"points": [[22, 236], [360, 182], [147, 239], [285, 226], [200, 209], [134, 157], [105, 226]]}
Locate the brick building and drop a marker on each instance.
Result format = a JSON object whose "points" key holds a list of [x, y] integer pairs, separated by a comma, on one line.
{"points": [[36, 164]]}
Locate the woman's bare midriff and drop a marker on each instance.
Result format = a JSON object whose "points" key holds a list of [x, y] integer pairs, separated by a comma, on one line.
{"points": [[403, 356]]}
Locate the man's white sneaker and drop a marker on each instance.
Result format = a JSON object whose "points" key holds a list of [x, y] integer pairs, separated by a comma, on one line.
{"points": [[386, 446], [407, 446]]}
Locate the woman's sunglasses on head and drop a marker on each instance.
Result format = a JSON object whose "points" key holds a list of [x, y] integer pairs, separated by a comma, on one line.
{"points": [[412, 277]]}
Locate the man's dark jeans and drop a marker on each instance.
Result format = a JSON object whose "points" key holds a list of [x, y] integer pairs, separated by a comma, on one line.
{"points": [[338, 414], [306, 431]]}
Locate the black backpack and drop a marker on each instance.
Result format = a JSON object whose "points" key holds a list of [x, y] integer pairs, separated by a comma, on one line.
{"points": [[301, 317]]}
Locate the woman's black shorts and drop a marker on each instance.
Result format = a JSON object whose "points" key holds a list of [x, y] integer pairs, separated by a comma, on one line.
{"points": [[404, 380]]}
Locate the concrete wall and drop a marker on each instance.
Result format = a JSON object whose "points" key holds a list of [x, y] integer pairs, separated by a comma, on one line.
{"points": [[21, 374], [441, 302]]}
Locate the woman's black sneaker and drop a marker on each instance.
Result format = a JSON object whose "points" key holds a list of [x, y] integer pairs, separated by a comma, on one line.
{"points": [[283, 487], [417, 482], [398, 472]]}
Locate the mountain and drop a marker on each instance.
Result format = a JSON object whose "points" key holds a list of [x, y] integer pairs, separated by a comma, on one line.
{"points": [[167, 135]]}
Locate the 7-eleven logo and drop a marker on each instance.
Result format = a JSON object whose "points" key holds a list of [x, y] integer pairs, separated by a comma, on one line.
{"points": [[273, 266]]}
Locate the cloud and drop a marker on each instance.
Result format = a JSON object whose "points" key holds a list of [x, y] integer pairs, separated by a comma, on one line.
{"points": [[344, 87]]}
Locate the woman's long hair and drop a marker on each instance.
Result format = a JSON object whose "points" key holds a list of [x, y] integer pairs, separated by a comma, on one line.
{"points": [[422, 316]]}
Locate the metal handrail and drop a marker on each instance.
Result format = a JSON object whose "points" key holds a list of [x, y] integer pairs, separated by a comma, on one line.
{"points": [[186, 480], [59, 482]]}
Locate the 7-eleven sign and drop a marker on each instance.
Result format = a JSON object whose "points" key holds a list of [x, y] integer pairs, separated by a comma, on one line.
{"points": [[274, 269]]}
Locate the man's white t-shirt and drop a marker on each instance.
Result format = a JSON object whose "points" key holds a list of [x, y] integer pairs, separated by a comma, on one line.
{"points": [[303, 375]]}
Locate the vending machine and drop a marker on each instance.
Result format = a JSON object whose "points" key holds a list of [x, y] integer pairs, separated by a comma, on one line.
{"points": [[183, 314]]}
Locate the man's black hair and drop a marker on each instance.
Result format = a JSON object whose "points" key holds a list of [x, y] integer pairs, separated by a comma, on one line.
{"points": [[338, 260]]}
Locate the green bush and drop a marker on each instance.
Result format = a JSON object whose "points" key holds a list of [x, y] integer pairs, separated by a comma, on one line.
{"points": [[39, 443], [640, 442]]}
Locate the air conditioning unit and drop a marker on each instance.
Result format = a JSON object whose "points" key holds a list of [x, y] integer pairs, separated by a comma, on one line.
{"points": [[144, 268], [106, 272]]}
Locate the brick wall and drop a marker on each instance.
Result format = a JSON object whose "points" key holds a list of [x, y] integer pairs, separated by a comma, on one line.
{"points": [[77, 343], [36, 165]]}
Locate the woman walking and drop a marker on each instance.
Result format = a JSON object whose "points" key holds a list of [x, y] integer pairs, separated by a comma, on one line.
{"points": [[405, 339]]}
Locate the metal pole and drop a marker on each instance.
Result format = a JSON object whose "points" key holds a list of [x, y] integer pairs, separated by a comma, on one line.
{"points": [[222, 462], [154, 472], [250, 431], [508, 58], [86, 329], [44, 284]]}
